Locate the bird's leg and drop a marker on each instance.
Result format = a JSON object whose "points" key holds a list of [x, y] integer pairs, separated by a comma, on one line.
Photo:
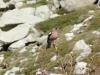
{"points": [[53, 44]]}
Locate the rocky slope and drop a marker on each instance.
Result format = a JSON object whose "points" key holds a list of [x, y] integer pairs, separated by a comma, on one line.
{"points": [[25, 24]]}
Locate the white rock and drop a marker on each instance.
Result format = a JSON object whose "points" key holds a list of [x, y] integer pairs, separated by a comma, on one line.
{"points": [[62, 3], [54, 15], [36, 33], [47, 0], [2, 4], [80, 31], [76, 27], [12, 71], [35, 47], [53, 58], [21, 43], [22, 50], [57, 68], [42, 40], [69, 36], [33, 50], [53, 8], [31, 2], [36, 54], [56, 3], [1, 58], [81, 45], [1, 69], [96, 32], [17, 16], [86, 50], [80, 68], [91, 12], [21, 61], [43, 12], [30, 38], [19, 5], [87, 19], [99, 3], [17, 45], [16, 33], [69, 5], [14, 1], [54, 74], [38, 72]]}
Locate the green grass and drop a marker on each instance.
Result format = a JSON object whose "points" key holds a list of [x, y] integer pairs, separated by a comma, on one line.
{"points": [[63, 21], [95, 22], [6, 0]]}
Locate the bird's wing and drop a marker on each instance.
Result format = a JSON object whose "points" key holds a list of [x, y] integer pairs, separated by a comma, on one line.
{"points": [[48, 37], [49, 34]]}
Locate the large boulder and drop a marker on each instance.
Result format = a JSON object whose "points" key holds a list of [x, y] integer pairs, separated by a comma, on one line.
{"points": [[31, 38], [56, 3], [81, 3], [62, 3], [71, 5], [53, 4], [17, 16], [42, 40], [43, 12], [22, 43], [36, 33], [2, 4], [15, 34], [82, 46], [18, 5], [17, 45]]}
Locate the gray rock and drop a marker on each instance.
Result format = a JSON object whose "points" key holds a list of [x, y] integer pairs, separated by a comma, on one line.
{"points": [[69, 5], [15, 34], [56, 3], [17, 45], [86, 50], [43, 12], [2, 4], [16, 16]]}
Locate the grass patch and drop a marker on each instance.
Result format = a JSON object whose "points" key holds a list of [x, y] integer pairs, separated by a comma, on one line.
{"points": [[95, 22], [94, 66], [6, 0], [63, 21]]}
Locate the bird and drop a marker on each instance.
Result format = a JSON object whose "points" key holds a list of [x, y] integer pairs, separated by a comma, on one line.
{"points": [[53, 35]]}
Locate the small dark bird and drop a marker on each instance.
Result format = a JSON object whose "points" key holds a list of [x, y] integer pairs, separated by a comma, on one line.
{"points": [[53, 35]]}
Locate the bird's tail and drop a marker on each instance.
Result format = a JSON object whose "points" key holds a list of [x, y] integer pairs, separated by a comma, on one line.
{"points": [[48, 45]]}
